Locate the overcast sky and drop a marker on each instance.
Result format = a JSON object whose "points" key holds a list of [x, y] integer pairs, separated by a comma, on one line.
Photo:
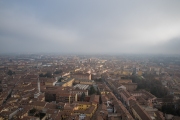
{"points": [[90, 26]]}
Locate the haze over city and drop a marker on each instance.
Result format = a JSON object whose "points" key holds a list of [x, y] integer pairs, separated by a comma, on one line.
{"points": [[89, 60], [90, 27]]}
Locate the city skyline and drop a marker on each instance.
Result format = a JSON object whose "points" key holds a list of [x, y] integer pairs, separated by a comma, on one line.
{"points": [[90, 27]]}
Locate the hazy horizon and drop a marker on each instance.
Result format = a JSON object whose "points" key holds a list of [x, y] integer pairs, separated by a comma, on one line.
{"points": [[90, 27]]}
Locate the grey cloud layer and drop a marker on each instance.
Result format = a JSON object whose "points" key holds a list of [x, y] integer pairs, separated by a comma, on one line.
{"points": [[90, 27]]}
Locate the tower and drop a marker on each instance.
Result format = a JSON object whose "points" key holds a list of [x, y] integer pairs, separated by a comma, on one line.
{"points": [[38, 92], [39, 86]]}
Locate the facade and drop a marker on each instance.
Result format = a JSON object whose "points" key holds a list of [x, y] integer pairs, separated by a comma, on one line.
{"points": [[125, 81], [126, 96], [130, 86], [85, 109], [60, 94], [66, 97], [138, 111], [79, 92], [85, 82], [68, 83], [50, 82], [81, 76], [146, 95]]}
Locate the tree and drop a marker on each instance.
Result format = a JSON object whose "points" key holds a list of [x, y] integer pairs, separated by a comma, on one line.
{"points": [[60, 79], [99, 80], [41, 75], [10, 72], [58, 72], [40, 115], [98, 92], [48, 75], [92, 90], [82, 96], [32, 111], [155, 87]]}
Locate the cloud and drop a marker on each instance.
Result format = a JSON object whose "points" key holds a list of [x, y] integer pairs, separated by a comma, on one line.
{"points": [[30, 27], [19, 31], [169, 47], [88, 26]]}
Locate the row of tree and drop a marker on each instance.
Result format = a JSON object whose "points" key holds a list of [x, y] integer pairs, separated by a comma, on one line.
{"points": [[156, 88], [150, 84], [48, 75], [58, 72], [171, 109], [10, 72]]}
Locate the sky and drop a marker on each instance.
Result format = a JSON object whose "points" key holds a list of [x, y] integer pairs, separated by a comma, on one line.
{"points": [[90, 26]]}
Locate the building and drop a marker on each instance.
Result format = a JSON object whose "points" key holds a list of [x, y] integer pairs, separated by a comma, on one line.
{"points": [[50, 82], [138, 111], [126, 96], [81, 76], [60, 94], [79, 92], [85, 82], [130, 86], [66, 97]]}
